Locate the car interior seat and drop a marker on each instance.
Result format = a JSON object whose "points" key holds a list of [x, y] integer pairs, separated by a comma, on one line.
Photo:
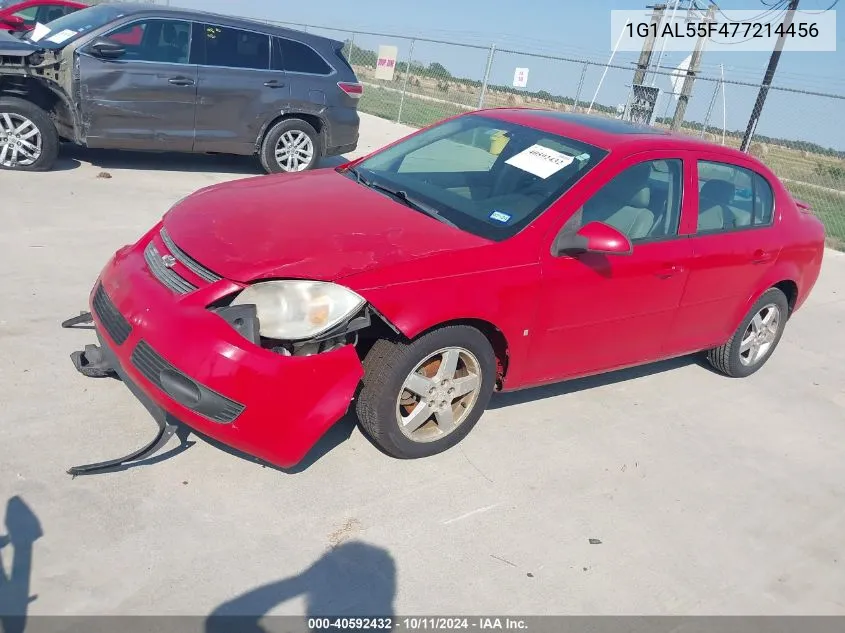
{"points": [[624, 203], [54, 14], [182, 42], [714, 212]]}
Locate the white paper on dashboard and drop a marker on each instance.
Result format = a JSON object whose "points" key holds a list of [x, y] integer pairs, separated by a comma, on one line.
{"points": [[39, 32], [540, 161], [61, 36]]}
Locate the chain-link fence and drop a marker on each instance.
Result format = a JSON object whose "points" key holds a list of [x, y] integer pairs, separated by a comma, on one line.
{"points": [[434, 79]]}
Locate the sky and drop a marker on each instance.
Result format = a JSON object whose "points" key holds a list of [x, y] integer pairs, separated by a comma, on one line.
{"points": [[580, 29]]}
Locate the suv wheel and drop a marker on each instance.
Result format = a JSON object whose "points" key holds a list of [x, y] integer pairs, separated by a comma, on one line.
{"points": [[28, 138], [421, 398], [291, 145]]}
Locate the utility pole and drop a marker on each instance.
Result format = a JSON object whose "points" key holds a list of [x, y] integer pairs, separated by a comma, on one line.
{"points": [[695, 63], [648, 44], [767, 79]]}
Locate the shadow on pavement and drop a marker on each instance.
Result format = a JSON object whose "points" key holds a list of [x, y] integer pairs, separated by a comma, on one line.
{"points": [[507, 399], [73, 156], [352, 579], [22, 530]]}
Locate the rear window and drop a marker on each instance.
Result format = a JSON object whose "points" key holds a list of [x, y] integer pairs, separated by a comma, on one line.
{"points": [[296, 57]]}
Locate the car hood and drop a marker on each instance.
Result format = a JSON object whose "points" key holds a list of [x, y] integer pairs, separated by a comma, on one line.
{"points": [[11, 46], [316, 225]]}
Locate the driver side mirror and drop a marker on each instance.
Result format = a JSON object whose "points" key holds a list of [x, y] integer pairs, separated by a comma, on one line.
{"points": [[593, 237], [15, 21], [106, 49]]}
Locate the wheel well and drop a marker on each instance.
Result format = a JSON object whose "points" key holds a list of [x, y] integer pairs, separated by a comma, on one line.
{"points": [[311, 119], [790, 289], [497, 341], [382, 329], [34, 91]]}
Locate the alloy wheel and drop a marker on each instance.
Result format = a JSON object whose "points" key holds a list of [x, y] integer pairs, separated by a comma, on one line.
{"points": [[760, 335], [294, 150], [438, 394], [20, 140]]}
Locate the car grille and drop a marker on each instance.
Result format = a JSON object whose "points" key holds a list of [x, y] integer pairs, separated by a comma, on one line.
{"points": [[187, 261], [150, 364], [112, 320], [165, 275]]}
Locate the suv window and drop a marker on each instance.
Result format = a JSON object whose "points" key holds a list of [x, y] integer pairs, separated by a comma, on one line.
{"points": [[296, 57], [164, 41], [643, 201], [235, 48], [732, 197]]}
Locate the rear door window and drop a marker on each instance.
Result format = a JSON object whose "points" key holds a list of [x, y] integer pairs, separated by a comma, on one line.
{"points": [[235, 48], [732, 197], [296, 57]]}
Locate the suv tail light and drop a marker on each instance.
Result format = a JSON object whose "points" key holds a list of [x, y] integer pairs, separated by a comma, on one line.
{"points": [[354, 90]]}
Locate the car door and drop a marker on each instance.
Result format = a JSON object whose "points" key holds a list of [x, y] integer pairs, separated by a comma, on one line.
{"points": [[734, 245], [238, 93], [601, 312], [146, 98]]}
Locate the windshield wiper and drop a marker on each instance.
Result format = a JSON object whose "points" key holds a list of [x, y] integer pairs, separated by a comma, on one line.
{"points": [[403, 196]]}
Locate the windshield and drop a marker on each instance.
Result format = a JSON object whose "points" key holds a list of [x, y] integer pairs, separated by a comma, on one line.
{"points": [[61, 32], [485, 176]]}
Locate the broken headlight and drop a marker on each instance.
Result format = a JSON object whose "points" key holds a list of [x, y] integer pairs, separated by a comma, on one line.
{"points": [[293, 310]]}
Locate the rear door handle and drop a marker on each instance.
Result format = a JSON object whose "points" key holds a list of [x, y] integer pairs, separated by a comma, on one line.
{"points": [[274, 84], [669, 270], [181, 81], [761, 257]]}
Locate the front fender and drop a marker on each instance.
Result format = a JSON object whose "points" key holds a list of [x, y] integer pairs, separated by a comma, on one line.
{"points": [[418, 306]]}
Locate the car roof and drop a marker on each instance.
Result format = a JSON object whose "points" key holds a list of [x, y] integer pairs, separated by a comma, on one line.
{"points": [[605, 132], [140, 9]]}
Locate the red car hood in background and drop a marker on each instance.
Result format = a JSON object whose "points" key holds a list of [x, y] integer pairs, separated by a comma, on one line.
{"points": [[316, 225]]}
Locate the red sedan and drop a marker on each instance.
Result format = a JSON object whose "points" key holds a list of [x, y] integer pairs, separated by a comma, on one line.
{"points": [[16, 16], [496, 250]]}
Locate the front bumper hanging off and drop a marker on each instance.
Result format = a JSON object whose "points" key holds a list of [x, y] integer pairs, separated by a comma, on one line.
{"points": [[95, 362]]}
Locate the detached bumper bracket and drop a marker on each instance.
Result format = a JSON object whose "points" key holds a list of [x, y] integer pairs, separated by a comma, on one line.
{"points": [[97, 362]]}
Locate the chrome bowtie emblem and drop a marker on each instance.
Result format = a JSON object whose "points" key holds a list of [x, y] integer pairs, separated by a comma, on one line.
{"points": [[168, 260]]}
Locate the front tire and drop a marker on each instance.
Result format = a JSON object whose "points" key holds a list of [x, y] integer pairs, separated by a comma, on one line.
{"points": [[289, 146], [28, 137], [755, 339], [421, 398]]}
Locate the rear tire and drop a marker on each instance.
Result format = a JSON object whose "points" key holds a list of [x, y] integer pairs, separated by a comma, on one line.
{"points": [[28, 137], [291, 145], [755, 339], [408, 425]]}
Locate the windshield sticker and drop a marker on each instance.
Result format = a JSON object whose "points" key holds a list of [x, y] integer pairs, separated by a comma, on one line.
{"points": [[62, 36], [500, 217], [540, 161], [39, 32]]}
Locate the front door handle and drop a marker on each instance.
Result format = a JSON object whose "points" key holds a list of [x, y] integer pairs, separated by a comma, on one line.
{"points": [[274, 84], [181, 81], [761, 257], [669, 270]]}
